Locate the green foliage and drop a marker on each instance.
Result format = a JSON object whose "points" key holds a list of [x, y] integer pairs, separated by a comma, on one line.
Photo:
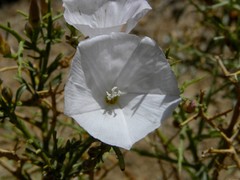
{"points": [[204, 137], [207, 124], [31, 112]]}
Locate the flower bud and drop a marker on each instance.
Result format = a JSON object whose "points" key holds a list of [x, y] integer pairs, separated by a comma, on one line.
{"points": [[65, 62], [29, 29], [34, 15], [7, 94], [4, 47], [189, 106]]}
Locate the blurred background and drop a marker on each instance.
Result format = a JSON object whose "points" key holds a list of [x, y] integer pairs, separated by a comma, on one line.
{"points": [[201, 40]]}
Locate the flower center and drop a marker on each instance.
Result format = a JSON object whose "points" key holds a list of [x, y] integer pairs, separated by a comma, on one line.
{"points": [[113, 95]]}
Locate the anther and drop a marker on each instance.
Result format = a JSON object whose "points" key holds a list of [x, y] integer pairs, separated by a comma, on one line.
{"points": [[113, 95]]}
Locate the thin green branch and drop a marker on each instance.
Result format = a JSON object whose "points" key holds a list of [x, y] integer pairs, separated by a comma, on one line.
{"points": [[12, 32]]}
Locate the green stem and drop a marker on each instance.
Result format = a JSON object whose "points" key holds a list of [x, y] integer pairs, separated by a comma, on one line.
{"points": [[163, 157], [11, 31], [77, 156], [54, 118], [21, 126], [120, 157], [44, 128], [49, 36], [192, 144], [46, 53]]}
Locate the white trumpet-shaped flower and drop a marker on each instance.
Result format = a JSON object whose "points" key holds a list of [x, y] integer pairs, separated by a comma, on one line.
{"points": [[120, 88], [96, 17]]}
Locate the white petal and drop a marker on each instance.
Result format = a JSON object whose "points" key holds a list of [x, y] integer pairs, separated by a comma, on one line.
{"points": [[96, 17], [84, 6], [95, 67], [136, 12], [108, 126], [78, 97], [103, 58], [79, 100], [138, 68], [144, 113], [147, 71]]}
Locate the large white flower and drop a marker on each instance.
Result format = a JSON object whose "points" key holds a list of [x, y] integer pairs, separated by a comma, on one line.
{"points": [[96, 17], [120, 88]]}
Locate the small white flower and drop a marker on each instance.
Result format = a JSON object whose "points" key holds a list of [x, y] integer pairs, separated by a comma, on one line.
{"points": [[120, 88], [96, 17]]}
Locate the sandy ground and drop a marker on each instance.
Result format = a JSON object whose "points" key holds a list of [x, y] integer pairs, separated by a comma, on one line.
{"points": [[158, 24], [140, 168]]}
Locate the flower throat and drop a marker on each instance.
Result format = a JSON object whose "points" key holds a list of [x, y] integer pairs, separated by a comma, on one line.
{"points": [[113, 95]]}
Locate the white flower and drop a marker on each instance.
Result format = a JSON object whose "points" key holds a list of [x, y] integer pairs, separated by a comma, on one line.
{"points": [[96, 17], [120, 88]]}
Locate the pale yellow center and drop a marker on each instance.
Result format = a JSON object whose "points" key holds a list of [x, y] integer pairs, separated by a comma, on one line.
{"points": [[113, 96]]}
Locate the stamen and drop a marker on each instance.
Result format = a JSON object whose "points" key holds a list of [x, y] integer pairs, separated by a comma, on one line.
{"points": [[112, 97]]}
